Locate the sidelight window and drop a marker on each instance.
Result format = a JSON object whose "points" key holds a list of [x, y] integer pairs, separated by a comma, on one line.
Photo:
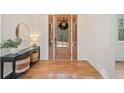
{"points": [[121, 27]]}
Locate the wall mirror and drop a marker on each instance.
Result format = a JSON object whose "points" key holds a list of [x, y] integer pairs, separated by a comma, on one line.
{"points": [[22, 32]]}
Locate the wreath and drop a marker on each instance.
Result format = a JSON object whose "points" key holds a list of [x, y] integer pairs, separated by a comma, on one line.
{"points": [[63, 25]]}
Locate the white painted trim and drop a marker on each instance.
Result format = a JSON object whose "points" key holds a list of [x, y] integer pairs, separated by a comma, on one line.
{"points": [[100, 70], [54, 32], [71, 38]]}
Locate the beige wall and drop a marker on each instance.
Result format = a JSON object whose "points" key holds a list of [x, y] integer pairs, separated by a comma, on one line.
{"points": [[82, 37], [10, 21], [101, 43], [40, 27]]}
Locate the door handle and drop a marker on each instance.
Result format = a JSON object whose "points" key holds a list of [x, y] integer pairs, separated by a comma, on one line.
{"points": [[74, 43]]}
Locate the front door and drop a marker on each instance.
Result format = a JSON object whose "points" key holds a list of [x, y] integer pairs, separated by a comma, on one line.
{"points": [[62, 37]]}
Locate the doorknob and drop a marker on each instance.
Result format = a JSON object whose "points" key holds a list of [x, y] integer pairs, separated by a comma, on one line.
{"points": [[55, 41], [74, 43]]}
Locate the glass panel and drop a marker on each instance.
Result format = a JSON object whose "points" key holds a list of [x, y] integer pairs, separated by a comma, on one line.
{"points": [[50, 35], [121, 28], [62, 38], [74, 33]]}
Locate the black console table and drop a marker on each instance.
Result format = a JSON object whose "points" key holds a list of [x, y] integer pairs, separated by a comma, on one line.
{"points": [[14, 57]]}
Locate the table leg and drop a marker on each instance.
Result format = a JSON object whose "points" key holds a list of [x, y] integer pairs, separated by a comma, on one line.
{"points": [[38, 53], [13, 71], [2, 69]]}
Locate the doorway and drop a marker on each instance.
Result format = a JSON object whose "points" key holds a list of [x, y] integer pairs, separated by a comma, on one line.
{"points": [[62, 36], [119, 46]]}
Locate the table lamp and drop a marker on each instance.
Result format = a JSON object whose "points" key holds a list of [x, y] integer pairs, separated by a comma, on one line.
{"points": [[34, 40]]}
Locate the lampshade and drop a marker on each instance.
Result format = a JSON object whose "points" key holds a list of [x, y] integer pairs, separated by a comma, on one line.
{"points": [[34, 39]]}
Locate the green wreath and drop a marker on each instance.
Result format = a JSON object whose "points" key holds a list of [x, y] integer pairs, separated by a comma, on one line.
{"points": [[63, 25]]}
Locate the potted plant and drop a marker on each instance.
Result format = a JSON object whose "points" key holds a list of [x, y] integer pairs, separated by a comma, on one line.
{"points": [[11, 44]]}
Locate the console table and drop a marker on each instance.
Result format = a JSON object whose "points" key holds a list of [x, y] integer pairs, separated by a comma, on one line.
{"points": [[14, 57]]}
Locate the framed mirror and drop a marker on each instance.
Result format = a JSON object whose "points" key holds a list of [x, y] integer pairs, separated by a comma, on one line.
{"points": [[22, 32]]}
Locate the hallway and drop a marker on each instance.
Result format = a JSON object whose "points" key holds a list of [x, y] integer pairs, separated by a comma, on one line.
{"points": [[61, 70]]}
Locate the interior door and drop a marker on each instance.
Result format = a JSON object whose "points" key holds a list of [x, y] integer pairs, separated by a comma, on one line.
{"points": [[63, 37]]}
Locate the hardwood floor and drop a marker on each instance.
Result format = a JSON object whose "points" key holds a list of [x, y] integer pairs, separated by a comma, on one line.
{"points": [[119, 69], [61, 70]]}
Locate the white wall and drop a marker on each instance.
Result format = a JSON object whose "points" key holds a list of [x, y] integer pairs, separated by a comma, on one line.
{"points": [[82, 37], [40, 25], [100, 38], [9, 23]]}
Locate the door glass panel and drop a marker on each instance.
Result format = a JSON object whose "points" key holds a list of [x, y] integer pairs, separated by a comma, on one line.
{"points": [[50, 35], [62, 37]]}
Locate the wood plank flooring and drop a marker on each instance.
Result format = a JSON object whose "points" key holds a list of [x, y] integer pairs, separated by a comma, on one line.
{"points": [[61, 70], [119, 69]]}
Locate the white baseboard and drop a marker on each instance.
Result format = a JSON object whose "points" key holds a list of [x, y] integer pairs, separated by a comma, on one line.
{"points": [[102, 71]]}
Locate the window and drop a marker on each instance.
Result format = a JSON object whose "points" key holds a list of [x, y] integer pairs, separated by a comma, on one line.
{"points": [[121, 27]]}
